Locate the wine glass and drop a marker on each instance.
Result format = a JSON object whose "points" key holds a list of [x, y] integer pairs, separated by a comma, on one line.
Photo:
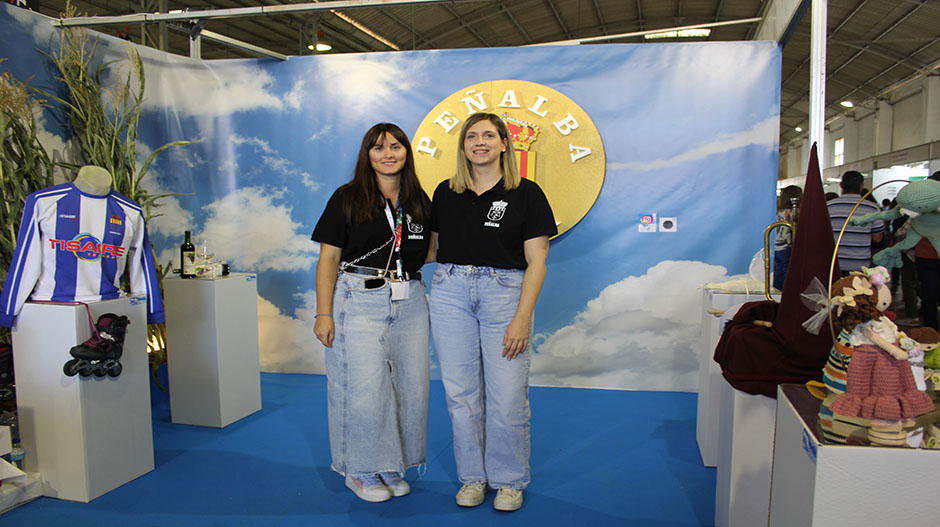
{"points": [[205, 254]]}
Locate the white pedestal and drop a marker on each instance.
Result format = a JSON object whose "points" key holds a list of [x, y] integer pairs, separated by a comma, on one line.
{"points": [[815, 484], [85, 435], [709, 373], [212, 349], [745, 455]]}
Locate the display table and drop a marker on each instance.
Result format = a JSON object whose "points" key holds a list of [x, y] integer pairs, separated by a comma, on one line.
{"points": [[815, 484], [709, 372], [84, 435], [745, 456], [212, 349]]}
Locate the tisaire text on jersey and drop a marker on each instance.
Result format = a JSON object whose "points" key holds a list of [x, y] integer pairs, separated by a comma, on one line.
{"points": [[87, 248]]}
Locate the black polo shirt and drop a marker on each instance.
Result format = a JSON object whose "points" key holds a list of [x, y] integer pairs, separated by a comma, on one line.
{"points": [[357, 239], [489, 229]]}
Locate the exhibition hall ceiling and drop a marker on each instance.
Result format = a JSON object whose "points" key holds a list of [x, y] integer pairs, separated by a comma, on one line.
{"points": [[873, 45]]}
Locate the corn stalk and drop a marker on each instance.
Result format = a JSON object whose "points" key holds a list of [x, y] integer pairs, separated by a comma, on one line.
{"points": [[25, 167], [105, 118]]}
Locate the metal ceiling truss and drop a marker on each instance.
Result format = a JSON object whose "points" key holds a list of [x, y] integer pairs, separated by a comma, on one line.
{"points": [[467, 23]]}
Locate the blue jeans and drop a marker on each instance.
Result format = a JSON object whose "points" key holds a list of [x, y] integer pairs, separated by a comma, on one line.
{"points": [[487, 395], [378, 374], [781, 263]]}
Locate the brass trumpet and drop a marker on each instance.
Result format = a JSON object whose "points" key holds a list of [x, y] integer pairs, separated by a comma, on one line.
{"points": [[794, 204]]}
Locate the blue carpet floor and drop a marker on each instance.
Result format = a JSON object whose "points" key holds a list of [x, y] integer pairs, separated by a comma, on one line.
{"points": [[599, 457]]}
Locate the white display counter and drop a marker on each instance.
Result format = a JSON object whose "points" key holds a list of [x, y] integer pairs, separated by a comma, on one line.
{"points": [[212, 349], [745, 457], [84, 435], [815, 484], [709, 373]]}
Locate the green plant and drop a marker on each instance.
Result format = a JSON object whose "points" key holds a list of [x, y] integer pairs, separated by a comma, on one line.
{"points": [[105, 119], [25, 167]]}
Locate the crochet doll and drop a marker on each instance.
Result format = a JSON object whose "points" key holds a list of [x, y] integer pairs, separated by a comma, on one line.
{"points": [[921, 197], [929, 341], [879, 384]]}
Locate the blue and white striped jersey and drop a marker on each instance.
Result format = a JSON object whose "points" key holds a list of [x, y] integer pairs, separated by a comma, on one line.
{"points": [[74, 246]]}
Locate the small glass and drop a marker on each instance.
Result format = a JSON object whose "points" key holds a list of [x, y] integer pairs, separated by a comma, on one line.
{"points": [[204, 264]]}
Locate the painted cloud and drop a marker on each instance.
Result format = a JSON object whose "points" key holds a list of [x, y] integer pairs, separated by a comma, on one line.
{"points": [[640, 333]]}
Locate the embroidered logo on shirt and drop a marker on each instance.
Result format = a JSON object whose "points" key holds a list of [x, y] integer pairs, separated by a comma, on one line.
{"points": [[497, 210], [413, 227]]}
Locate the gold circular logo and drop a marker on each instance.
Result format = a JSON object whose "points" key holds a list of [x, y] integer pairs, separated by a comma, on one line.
{"points": [[556, 143]]}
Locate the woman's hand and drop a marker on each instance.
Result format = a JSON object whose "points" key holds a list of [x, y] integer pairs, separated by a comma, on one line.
{"points": [[516, 339], [324, 330], [327, 271]]}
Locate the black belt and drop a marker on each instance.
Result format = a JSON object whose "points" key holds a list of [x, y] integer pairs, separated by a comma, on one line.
{"points": [[391, 274]]}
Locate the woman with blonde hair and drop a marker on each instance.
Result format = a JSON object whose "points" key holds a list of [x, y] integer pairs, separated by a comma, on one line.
{"points": [[490, 229]]}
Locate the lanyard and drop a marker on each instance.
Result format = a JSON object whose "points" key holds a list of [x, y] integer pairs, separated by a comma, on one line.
{"points": [[395, 225]]}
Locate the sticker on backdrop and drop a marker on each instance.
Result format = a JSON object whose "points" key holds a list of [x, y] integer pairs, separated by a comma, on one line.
{"points": [[647, 223], [556, 143], [668, 224]]}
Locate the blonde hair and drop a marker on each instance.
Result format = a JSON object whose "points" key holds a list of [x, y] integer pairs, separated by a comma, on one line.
{"points": [[463, 179]]}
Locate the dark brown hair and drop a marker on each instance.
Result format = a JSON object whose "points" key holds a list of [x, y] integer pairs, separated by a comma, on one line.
{"points": [[925, 335], [865, 308], [362, 198]]}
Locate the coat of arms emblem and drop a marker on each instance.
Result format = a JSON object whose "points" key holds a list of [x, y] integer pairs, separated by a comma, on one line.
{"points": [[497, 210], [414, 228]]}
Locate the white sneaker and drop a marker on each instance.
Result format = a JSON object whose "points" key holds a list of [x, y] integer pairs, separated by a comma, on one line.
{"points": [[368, 487], [393, 481], [471, 495], [508, 500]]}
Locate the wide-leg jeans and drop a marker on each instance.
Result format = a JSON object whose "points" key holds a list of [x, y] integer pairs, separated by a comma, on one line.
{"points": [[377, 378], [487, 395]]}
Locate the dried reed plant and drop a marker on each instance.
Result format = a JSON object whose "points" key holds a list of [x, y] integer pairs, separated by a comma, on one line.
{"points": [[25, 167]]}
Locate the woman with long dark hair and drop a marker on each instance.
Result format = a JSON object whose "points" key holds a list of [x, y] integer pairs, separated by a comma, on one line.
{"points": [[372, 317], [493, 229]]}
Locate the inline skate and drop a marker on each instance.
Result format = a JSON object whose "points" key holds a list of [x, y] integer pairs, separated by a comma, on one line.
{"points": [[100, 354]]}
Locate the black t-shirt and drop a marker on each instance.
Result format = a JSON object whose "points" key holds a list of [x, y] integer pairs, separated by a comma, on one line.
{"points": [[357, 239], [489, 229]]}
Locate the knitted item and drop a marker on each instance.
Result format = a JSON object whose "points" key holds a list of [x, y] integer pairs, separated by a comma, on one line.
{"points": [[932, 359], [931, 437], [922, 197], [932, 379], [837, 428], [881, 387], [835, 370], [887, 432]]}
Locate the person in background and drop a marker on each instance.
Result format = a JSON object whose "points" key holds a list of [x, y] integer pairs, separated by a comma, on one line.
{"points": [[855, 247], [493, 229], [927, 263], [907, 273], [372, 317], [783, 237]]}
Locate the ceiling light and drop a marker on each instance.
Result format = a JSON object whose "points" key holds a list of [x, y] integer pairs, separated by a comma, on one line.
{"points": [[847, 104], [799, 128], [683, 33], [320, 46]]}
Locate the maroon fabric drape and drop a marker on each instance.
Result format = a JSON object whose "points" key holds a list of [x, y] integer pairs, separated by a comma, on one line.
{"points": [[755, 359]]}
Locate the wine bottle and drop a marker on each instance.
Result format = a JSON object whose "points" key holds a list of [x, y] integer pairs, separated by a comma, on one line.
{"points": [[188, 257]]}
